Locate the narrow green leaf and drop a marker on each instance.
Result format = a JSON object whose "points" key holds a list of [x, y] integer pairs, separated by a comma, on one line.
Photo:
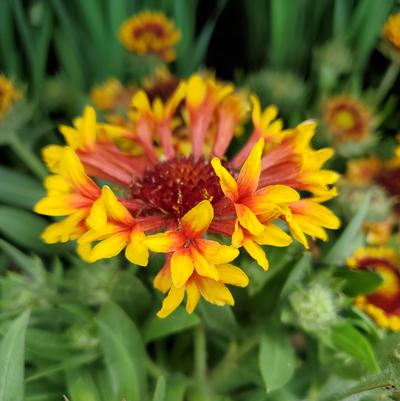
{"points": [[19, 258], [276, 359], [18, 189], [124, 353], [159, 392], [158, 328], [12, 350], [359, 282], [297, 274], [24, 228], [349, 239], [346, 338], [81, 386]]}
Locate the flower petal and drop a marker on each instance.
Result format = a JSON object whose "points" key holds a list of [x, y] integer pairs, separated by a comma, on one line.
{"points": [[171, 302], [202, 265], [215, 292], [273, 235], [164, 242], [248, 219], [136, 252], [227, 182], [197, 220], [109, 247], [163, 280], [193, 296], [250, 172], [181, 267], [230, 274], [216, 253], [256, 252]]}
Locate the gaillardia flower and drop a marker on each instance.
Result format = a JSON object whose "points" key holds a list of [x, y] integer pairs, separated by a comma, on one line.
{"points": [[348, 119], [183, 203], [391, 30], [150, 33], [383, 305], [8, 95]]}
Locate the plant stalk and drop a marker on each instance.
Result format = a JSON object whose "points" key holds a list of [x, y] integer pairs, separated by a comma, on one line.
{"points": [[387, 81]]}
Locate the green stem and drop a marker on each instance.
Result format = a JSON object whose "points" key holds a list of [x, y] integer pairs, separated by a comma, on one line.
{"points": [[387, 81], [235, 352], [200, 355], [153, 369], [27, 156]]}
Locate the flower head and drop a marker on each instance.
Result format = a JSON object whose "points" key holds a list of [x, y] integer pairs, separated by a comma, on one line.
{"points": [[111, 95], [8, 95], [169, 199], [391, 30], [348, 119], [383, 305], [150, 33]]}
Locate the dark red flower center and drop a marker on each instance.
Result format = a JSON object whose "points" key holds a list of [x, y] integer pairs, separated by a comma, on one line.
{"points": [[390, 180], [176, 186]]}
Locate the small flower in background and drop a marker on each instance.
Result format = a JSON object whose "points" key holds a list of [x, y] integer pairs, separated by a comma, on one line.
{"points": [[391, 30], [160, 84], [348, 120], [361, 172], [167, 198], [8, 95], [111, 95], [383, 304], [379, 233], [150, 33]]}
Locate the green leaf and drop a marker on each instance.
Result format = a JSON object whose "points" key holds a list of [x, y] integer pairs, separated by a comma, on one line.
{"points": [[276, 359], [219, 319], [159, 392], [18, 189], [81, 386], [359, 282], [346, 338], [24, 228], [178, 321], [349, 239], [297, 275], [12, 349], [124, 353], [20, 259]]}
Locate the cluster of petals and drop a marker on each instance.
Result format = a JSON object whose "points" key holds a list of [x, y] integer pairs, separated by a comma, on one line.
{"points": [[161, 182]]}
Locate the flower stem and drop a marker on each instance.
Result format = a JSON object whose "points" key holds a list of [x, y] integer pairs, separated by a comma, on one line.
{"points": [[387, 81], [27, 156], [200, 355], [235, 352]]}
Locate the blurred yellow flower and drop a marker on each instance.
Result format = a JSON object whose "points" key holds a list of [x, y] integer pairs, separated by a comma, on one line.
{"points": [[150, 33], [8, 95], [391, 30]]}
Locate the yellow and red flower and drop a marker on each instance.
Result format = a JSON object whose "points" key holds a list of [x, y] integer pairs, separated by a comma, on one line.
{"points": [[150, 33], [383, 305], [348, 119], [8, 95], [169, 198]]}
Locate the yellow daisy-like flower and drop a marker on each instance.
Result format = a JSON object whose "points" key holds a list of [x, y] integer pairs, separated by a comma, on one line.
{"points": [[8, 95], [383, 305], [168, 198], [391, 30], [348, 119], [150, 33]]}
